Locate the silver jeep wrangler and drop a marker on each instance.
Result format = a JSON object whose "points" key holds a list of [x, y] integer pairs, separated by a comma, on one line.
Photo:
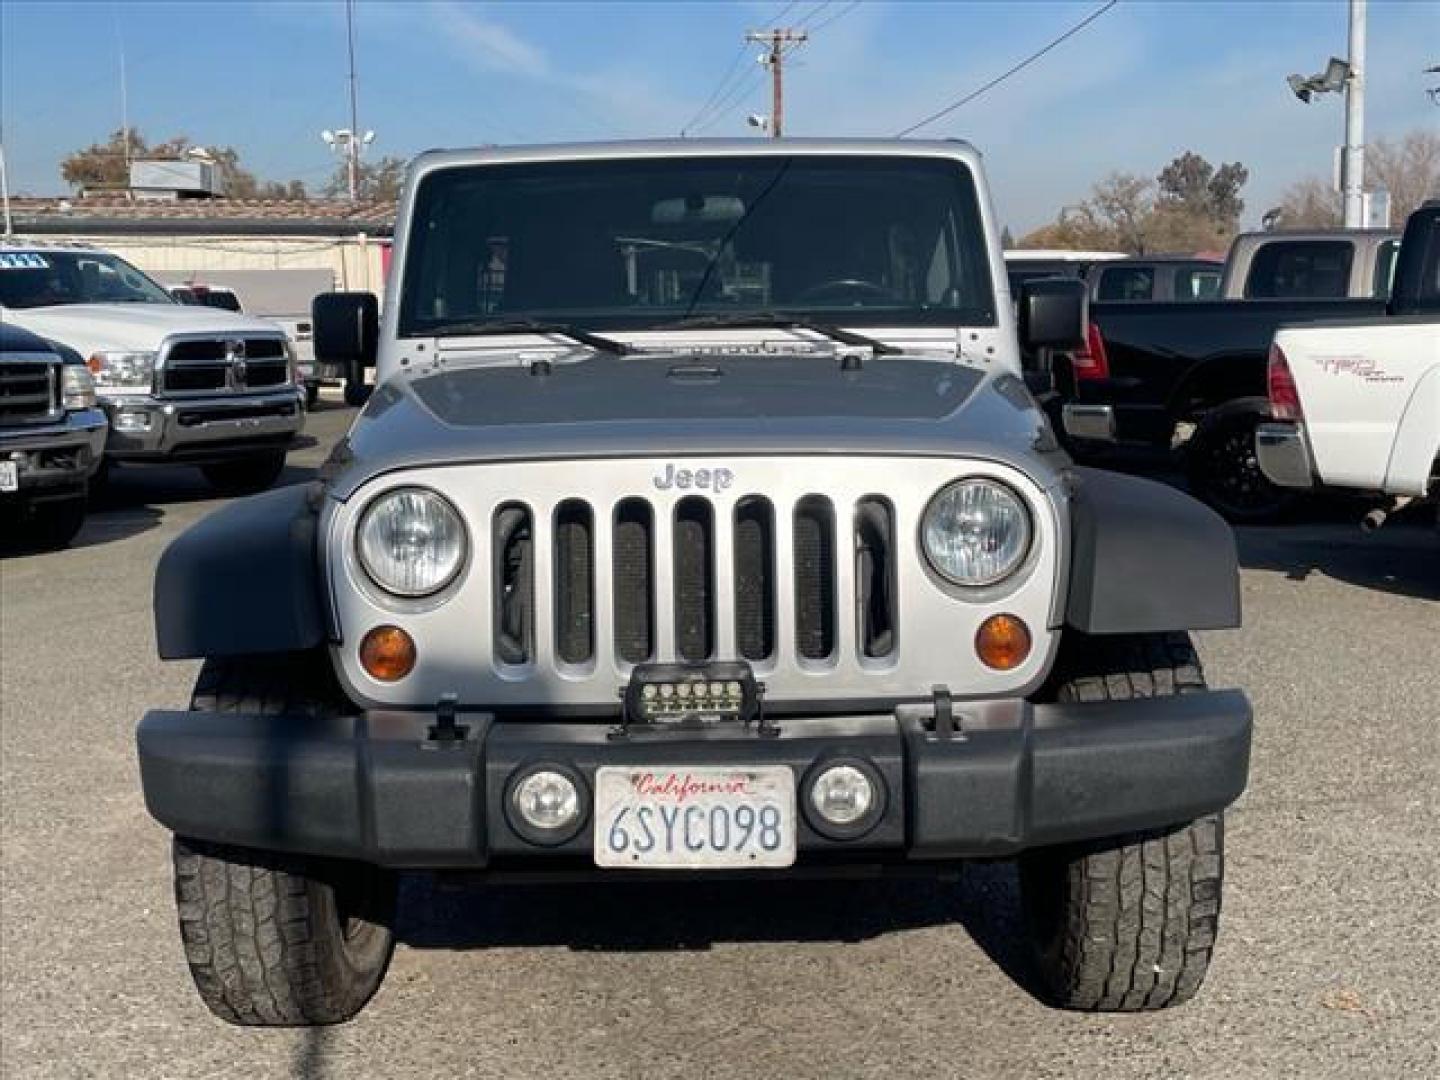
{"points": [[700, 522]]}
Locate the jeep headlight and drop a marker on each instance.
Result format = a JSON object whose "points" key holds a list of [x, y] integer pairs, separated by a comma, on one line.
{"points": [[411, 542], [123, 370], [975, 532], [77, 388]]}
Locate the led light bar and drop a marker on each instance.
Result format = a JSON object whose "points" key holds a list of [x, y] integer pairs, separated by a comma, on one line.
{"points": [[692, 693]]}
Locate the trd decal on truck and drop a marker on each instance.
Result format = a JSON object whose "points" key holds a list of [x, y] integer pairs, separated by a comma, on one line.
{"points": [[1362, 366]]}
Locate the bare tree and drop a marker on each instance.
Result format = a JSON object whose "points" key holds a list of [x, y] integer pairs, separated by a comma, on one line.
{"points": [[1408, 167]]}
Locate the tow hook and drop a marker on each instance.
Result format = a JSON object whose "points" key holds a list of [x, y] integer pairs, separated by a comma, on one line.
{"points": [[445, 731], [1377, 517]]}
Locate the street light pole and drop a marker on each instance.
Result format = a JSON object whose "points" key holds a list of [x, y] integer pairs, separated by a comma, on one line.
{"points": [[352, 147], [1353, 160]]}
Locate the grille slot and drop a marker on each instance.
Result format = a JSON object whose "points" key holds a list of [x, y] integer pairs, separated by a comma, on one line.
{"points": [[513, 544], [634, 581], [876, 594], [204, 365], [29, 391], [755, 579], [574, 582], [694, 579], [814, 572]]}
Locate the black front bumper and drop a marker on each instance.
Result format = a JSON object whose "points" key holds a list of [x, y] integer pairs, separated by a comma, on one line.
{"points": [[376, 788]]}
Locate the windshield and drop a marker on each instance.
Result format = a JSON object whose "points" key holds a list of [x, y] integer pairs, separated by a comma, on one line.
{"points": [[860, 241], [33, 279]]}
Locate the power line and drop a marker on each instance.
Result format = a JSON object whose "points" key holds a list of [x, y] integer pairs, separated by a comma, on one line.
{"points": [[720, 86], [948, 109], [738, 93], [836, 17]]}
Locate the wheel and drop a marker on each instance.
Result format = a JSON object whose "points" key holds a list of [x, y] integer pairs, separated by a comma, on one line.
{"points": [[245, 476], [279, 940], [54, 524], [312, 396], [1127, 923], [1224, 470]]}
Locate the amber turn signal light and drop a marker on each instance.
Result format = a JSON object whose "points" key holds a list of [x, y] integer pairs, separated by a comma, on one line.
{"points": [[1002, 642], [387, 653]]}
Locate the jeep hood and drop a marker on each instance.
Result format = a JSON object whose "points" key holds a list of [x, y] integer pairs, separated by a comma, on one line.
{"points": [[89, 328], [675, 405]]}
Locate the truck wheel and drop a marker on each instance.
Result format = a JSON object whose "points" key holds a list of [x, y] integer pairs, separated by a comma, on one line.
{"points": [[271, 939], [312, 396], [1224, 471], [1127, 923], [357, 392], [54, 524], [247, 475]]}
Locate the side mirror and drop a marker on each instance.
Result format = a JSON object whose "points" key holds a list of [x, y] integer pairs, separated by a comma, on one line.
{"points": [[1052, 313], [346, 329]]}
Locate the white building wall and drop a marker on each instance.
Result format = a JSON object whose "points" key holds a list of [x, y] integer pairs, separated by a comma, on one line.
{"points": [[355, 261]]}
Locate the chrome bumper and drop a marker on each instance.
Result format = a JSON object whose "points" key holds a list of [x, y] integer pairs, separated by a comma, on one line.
{"points": [[60, 455], [1284, 454], [1094, 423], [145, 428]]}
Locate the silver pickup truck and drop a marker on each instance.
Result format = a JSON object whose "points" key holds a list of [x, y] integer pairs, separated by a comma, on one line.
{"points": [[699, 523], [180, 384]]}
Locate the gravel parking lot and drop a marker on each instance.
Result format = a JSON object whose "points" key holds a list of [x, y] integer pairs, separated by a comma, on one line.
{"points": [[1326, 964]]}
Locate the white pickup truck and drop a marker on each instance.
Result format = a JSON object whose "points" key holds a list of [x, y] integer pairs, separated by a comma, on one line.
{"points": [[1356, 403], [180, 385]]}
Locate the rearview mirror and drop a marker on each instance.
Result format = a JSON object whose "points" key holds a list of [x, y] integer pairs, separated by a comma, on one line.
{"points": [[1052, 313], [346, 329]]}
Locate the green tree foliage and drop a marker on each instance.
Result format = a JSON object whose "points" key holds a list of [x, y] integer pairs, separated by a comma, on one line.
{"points": [[1191, 206]]}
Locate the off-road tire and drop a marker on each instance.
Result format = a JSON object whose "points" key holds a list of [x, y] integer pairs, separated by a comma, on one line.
{"points": [[1127, 923], [272, 939], [245, 476]]}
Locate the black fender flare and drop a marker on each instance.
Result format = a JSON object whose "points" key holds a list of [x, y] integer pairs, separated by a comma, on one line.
{"points": [[245, 579], [1146, 558]]}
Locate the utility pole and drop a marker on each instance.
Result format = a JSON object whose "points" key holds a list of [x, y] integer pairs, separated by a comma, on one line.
{"points": [[5, 191], [776, 41], [1353, 161], [352, 146]]}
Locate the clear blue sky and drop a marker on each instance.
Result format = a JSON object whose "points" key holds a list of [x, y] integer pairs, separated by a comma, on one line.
{"points": [[1147, 80]]}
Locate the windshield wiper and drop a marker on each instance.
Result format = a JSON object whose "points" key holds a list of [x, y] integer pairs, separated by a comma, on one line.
{"points": [[762, 319], [535, 326]]}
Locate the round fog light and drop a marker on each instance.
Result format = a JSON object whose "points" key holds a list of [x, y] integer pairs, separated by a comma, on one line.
{"points": [[545, 805], [846, 799]]}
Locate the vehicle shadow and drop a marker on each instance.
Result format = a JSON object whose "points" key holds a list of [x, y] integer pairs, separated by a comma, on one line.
{"points": [[134, 501], [693, 916], [1402, 558]]}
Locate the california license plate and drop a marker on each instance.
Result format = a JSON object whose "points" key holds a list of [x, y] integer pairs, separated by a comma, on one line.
{"points": [[9, 476], [694, 818]]}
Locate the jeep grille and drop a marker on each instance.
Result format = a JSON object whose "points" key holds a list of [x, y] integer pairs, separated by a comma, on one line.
{"points": [[705, 603]]}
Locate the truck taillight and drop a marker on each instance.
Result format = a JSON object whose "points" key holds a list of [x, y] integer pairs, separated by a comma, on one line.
{"points": [[1090, 361], [1284, 398]]}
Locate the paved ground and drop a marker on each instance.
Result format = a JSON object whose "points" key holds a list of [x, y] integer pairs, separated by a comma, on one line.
{"points": [[1326, 965]]}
